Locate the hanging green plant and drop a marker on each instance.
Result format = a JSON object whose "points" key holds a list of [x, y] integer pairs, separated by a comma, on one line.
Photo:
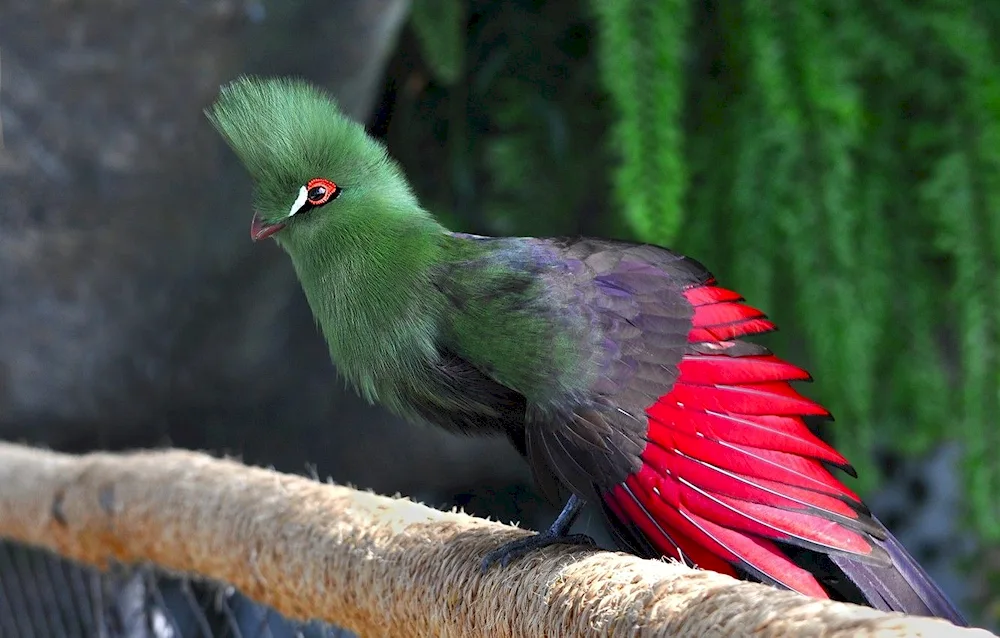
{"points": [[838, 162]]}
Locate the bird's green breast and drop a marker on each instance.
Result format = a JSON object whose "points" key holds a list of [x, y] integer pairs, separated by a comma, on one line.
{"points": [[372, 296]]}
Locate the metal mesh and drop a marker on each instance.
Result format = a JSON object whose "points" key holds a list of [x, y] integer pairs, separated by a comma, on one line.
{"points": [[43, 596]]}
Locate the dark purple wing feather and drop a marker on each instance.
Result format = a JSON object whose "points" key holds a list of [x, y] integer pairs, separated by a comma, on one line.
{"points": [[903, 586], [626, 295]]}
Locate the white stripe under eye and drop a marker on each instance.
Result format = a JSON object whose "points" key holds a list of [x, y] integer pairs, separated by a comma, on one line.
{"points": [[299, 202]]}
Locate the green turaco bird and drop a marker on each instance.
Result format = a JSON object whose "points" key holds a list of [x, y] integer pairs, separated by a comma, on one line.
{"points": [[620, 371]]}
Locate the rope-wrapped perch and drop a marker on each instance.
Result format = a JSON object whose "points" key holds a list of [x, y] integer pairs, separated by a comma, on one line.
{"points": [[381, 566]]}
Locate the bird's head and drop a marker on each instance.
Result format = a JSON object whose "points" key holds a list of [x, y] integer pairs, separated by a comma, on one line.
{"points": [[316, 173]]}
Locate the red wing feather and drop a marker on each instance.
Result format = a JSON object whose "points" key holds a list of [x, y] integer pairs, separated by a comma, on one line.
{"points": [[730, 331], [704, 295], [730, 466], [779, 433], [712, 369], [753, 553], [750, 488], [750, 462], [721, 314], [626, 504], [770, 397]]}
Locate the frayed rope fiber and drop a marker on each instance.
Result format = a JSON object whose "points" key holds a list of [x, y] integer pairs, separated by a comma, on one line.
{"points": [[383, 566]]}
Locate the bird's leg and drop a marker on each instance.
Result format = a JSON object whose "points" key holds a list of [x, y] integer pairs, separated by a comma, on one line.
{"points": [[555, 534]]}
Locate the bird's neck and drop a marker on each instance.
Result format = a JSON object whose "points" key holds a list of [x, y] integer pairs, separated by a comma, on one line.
{"points": [[375, 302]]}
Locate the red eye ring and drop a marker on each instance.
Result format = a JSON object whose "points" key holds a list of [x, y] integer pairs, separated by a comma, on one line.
{"points": [[320, 191]]}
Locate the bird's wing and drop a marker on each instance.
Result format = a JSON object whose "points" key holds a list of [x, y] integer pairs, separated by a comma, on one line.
{"points": [[694, 440], [712, 460]]}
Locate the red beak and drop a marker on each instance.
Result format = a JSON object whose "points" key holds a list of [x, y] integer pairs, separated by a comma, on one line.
{"points": [[259, 230]]}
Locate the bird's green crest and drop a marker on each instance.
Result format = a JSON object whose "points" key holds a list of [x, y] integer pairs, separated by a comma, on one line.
{"points": [[289, 133]]}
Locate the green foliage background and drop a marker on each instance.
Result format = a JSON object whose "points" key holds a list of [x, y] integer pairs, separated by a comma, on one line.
{"points": [[836, 161]]}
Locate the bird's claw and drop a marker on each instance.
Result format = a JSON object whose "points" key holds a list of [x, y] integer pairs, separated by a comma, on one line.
{"points": [[508, 552]]}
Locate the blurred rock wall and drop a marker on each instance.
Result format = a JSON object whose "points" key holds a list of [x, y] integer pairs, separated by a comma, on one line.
{"points": [[134, 310]]}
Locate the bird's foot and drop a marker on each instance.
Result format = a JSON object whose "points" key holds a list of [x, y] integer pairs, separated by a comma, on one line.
{"points": [[516, 549], [556, 534]]}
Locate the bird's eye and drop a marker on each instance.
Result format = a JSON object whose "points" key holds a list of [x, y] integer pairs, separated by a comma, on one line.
{"points": [[314, 194], [319, 191]]}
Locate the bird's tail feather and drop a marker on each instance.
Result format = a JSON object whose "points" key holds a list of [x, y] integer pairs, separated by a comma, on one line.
{"points": [[904, 586]]}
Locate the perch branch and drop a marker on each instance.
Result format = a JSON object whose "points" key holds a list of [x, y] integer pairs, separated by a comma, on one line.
{"points": [[382, 566]]}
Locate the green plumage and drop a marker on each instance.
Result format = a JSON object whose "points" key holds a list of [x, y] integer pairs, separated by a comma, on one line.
{"points": [[389, 286]]}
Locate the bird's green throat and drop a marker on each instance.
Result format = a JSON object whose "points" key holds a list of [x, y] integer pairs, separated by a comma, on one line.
{"points": [[372, 296]]}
